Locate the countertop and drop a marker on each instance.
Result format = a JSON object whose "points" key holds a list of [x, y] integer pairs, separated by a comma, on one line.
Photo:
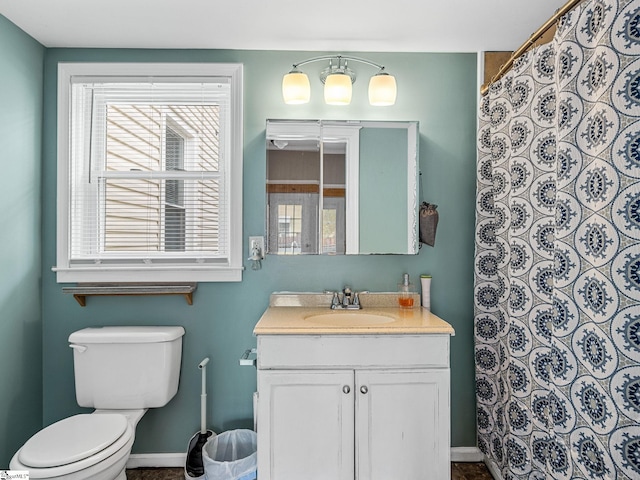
{"points": [[293, 320]]}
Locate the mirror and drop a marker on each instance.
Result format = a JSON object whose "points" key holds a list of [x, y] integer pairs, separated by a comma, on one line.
{"points": [[342, 187]]}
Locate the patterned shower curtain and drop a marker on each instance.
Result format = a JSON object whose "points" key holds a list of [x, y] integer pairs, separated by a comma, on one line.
{"points": [[557, 265]]}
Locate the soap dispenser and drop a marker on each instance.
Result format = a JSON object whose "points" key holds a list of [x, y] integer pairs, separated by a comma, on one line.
{"points": [[405, 292]]}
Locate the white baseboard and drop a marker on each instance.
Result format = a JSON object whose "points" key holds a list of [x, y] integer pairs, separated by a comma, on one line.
{"points": [[466, 454], [156, 460], [159, 460]]}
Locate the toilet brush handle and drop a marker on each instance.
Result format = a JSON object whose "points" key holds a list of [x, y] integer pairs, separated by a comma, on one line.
{"points": [[203, 413], [203, 396]]}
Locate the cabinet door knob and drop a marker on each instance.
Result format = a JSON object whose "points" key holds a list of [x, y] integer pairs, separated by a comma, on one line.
{"points": [[364, 389], [346, 389]]}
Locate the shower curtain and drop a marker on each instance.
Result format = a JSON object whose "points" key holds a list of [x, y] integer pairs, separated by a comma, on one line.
{"points": [[557, 264]]}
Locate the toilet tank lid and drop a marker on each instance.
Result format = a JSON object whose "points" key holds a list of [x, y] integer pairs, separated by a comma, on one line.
{"points": [[126, 334]]}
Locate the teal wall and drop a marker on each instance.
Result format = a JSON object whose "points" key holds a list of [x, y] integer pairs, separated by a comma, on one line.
{"points": [[438, 90], [21, 67]]}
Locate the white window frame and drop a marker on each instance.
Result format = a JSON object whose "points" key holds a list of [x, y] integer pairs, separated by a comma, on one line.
{"points": [[228, 271]]}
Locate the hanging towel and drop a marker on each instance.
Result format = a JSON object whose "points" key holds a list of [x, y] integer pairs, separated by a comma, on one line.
{"points": [[428, 223]]}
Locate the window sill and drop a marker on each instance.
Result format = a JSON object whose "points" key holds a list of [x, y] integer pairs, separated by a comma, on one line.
{"points": [[151, 275], [82, 291]]}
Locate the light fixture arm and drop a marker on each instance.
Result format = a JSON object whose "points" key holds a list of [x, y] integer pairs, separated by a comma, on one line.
{"points": [[339, 58]]}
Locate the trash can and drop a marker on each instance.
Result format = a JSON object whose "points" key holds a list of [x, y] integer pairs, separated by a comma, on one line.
{"points": [[231, 455]]}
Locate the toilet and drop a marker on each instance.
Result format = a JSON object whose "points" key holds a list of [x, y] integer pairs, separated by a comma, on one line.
{"points": [[121, 372]]}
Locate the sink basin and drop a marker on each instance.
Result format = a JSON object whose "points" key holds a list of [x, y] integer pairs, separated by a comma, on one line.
{"points": [[349, 319]]}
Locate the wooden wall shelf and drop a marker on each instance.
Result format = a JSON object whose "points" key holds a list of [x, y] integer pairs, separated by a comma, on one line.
{"points": [[84, 290]]}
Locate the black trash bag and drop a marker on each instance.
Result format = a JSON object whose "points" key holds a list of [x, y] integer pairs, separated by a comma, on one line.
{"points": [[428, 223], [194, 464]]}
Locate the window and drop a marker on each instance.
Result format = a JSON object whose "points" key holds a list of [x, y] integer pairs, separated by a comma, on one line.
{"points": [[289, 229], [149, 172], [333, 226], [174, 207]]}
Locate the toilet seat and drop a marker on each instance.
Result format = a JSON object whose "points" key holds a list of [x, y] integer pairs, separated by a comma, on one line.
{"points": [[72, 439], [75, 443]]}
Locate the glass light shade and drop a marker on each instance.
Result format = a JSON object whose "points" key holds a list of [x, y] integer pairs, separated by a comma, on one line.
{"points": [[382, 90], [337, 89], [296, 88]]}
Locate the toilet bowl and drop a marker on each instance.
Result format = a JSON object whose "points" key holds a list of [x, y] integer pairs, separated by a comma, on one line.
{"points": [[121, 372], [87, 446]]}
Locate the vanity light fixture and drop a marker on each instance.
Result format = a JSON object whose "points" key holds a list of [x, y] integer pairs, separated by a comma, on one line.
{"points": [[338, 79]]}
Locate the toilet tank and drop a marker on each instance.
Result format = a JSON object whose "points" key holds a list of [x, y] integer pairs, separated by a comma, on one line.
{"points": [[126, 367]]}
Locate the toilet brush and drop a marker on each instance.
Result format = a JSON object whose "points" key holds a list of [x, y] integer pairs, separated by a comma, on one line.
{"points": [[195, 466]]}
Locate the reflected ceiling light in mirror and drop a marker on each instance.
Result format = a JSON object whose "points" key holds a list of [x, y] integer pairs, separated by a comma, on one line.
{"points": [[338, 79]]}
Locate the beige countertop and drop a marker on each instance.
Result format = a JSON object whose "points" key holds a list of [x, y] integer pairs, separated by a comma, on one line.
{"points": [[294, 320]]}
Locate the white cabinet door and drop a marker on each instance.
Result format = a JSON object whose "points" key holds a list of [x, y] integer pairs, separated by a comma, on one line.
{"points": [[305, 425], [402, 424]]}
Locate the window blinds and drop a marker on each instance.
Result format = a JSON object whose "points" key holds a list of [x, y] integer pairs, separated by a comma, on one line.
{"points": [[149, 171]]}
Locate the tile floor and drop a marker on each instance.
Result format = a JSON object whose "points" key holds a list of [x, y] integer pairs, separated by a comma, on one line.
{"points": [[155, 474], [470, 471], [459, 471]]}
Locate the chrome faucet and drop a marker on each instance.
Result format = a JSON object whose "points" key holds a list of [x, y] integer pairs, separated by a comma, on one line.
{"points": [[350, 300], [346, 296]]}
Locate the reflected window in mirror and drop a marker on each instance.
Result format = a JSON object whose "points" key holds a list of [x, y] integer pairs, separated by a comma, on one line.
{"points": [[289, 228]]}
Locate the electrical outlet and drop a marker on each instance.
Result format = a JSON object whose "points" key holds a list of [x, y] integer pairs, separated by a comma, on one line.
{"points": [[256, 242]]}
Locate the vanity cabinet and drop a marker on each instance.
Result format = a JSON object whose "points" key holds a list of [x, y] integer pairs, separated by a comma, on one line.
{"points": [[305, 425], [345, 407]]}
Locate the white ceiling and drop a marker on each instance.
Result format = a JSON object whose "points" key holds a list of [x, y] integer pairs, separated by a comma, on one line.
{"points": [[327, 25]]}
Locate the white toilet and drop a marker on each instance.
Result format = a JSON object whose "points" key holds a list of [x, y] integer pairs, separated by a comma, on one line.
{"points": [[121, 372]]}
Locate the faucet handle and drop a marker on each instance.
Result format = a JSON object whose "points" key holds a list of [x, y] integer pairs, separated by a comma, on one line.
{"points": [[347, 290], [335, 301]]}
